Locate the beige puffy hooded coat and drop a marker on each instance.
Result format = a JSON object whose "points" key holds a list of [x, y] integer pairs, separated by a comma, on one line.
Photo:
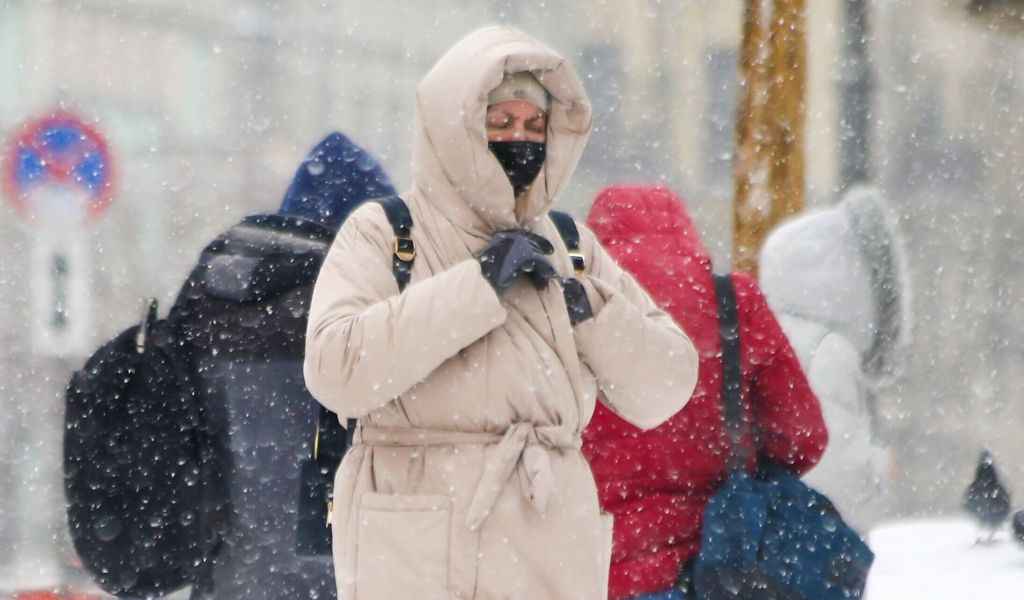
{"points": [[465, 479]]}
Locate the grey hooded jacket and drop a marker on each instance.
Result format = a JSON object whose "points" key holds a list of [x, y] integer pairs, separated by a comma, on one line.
{"points": [[837, 281]]}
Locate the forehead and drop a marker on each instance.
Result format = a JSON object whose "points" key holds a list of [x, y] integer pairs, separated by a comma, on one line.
{"points": [[519, 108]]}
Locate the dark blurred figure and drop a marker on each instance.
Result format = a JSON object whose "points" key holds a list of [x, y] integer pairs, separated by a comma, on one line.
{"points": [[1018, 527], [986, 499], [242, 322]]}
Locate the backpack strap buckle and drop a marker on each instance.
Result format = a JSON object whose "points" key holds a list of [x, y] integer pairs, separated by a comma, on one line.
{"points": [[579, 263], [571, 237], [404, 249]]}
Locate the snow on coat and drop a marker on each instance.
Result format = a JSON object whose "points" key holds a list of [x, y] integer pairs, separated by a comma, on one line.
{"points": [[657, 482], [836, 278], [466, 479]]}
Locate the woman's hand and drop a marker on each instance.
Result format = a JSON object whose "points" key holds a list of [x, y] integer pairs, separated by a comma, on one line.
{"points": [[516, 252]]}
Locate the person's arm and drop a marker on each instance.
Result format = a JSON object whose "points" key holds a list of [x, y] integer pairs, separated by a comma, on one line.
{"points": [[366, 343], [787, 414], [853, 465], [646, 367]]}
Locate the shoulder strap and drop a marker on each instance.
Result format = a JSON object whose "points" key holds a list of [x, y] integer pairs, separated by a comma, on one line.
{"points": [[571, 237], [404, 249], [732, 370]]}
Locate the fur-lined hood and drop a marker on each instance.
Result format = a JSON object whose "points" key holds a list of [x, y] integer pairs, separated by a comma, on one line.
{"points": [[844, 268]]}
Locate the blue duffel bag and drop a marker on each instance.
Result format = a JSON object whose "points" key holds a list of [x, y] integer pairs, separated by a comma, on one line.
{"points": [[768, 535]]}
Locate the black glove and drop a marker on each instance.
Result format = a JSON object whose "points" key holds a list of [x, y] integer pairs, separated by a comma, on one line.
{"points": [[517, 252], [576, 301]]}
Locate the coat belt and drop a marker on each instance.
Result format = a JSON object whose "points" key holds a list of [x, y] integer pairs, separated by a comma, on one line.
{"points": [[523, 447]]}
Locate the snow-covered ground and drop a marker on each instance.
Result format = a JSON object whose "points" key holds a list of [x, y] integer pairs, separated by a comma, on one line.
{"points": [[934, 559], [938, 560]]}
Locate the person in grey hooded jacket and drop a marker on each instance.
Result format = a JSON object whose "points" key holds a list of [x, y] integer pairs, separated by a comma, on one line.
{"points": [[837, 281]]}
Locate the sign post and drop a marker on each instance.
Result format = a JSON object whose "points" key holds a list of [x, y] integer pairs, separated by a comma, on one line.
{"points": [[61, 307], [58, 177]]}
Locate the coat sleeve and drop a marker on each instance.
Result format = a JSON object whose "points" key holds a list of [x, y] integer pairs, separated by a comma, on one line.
{"points": [[645, 366], [853, 465], [366, 343], [787, 413]]}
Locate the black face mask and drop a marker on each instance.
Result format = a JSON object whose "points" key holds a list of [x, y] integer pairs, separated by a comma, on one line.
{"points": [[521, 160]]}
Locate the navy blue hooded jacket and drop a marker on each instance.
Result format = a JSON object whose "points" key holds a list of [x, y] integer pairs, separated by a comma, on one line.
{"points": [[242, 318], [336, 177]]}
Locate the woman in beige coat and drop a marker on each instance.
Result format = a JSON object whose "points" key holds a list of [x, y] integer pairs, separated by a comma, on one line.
{"points": [[465, 479]]}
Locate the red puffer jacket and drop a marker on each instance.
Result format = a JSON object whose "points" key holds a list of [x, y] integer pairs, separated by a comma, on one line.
{"points": [[657, 482]]}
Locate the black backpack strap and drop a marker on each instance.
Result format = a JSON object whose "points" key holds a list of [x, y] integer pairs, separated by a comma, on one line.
{"points": [[571, 237], [732, 370], [404, 249]]}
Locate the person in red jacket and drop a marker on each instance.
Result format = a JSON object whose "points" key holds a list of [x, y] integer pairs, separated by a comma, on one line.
{"points": [[657, 482]]}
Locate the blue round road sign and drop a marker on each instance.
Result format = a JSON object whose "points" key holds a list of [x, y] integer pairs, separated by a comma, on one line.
{"points": [[58, 169]]}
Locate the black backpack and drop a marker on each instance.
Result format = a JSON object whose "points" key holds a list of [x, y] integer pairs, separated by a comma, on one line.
{"points": [[331, 440], [140, 527], [145, 527]]}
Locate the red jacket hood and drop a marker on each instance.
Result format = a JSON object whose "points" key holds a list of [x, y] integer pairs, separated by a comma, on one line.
{"points": [[648, 231], [651, 216]]}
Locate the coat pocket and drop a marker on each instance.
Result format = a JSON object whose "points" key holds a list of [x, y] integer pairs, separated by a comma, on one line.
{"points": [[403, 546]]}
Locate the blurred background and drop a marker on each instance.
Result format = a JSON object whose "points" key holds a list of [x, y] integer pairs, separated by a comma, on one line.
{"points": [[207, 108]]}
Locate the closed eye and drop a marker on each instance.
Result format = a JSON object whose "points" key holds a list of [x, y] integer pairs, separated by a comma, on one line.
{"points": [[499, 120]]}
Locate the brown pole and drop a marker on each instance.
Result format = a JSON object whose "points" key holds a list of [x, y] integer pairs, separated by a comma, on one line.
{"points": [[751, 201], [769, 164]]}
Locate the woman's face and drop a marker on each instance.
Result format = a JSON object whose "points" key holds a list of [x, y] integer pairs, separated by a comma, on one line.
{"points": [[516, 121]]}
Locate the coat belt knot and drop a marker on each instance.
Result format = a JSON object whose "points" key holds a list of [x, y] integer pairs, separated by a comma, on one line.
{"points": [[524, 447]]}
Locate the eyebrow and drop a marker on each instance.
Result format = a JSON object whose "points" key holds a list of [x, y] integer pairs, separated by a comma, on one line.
{"points": [[507, 116]]}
